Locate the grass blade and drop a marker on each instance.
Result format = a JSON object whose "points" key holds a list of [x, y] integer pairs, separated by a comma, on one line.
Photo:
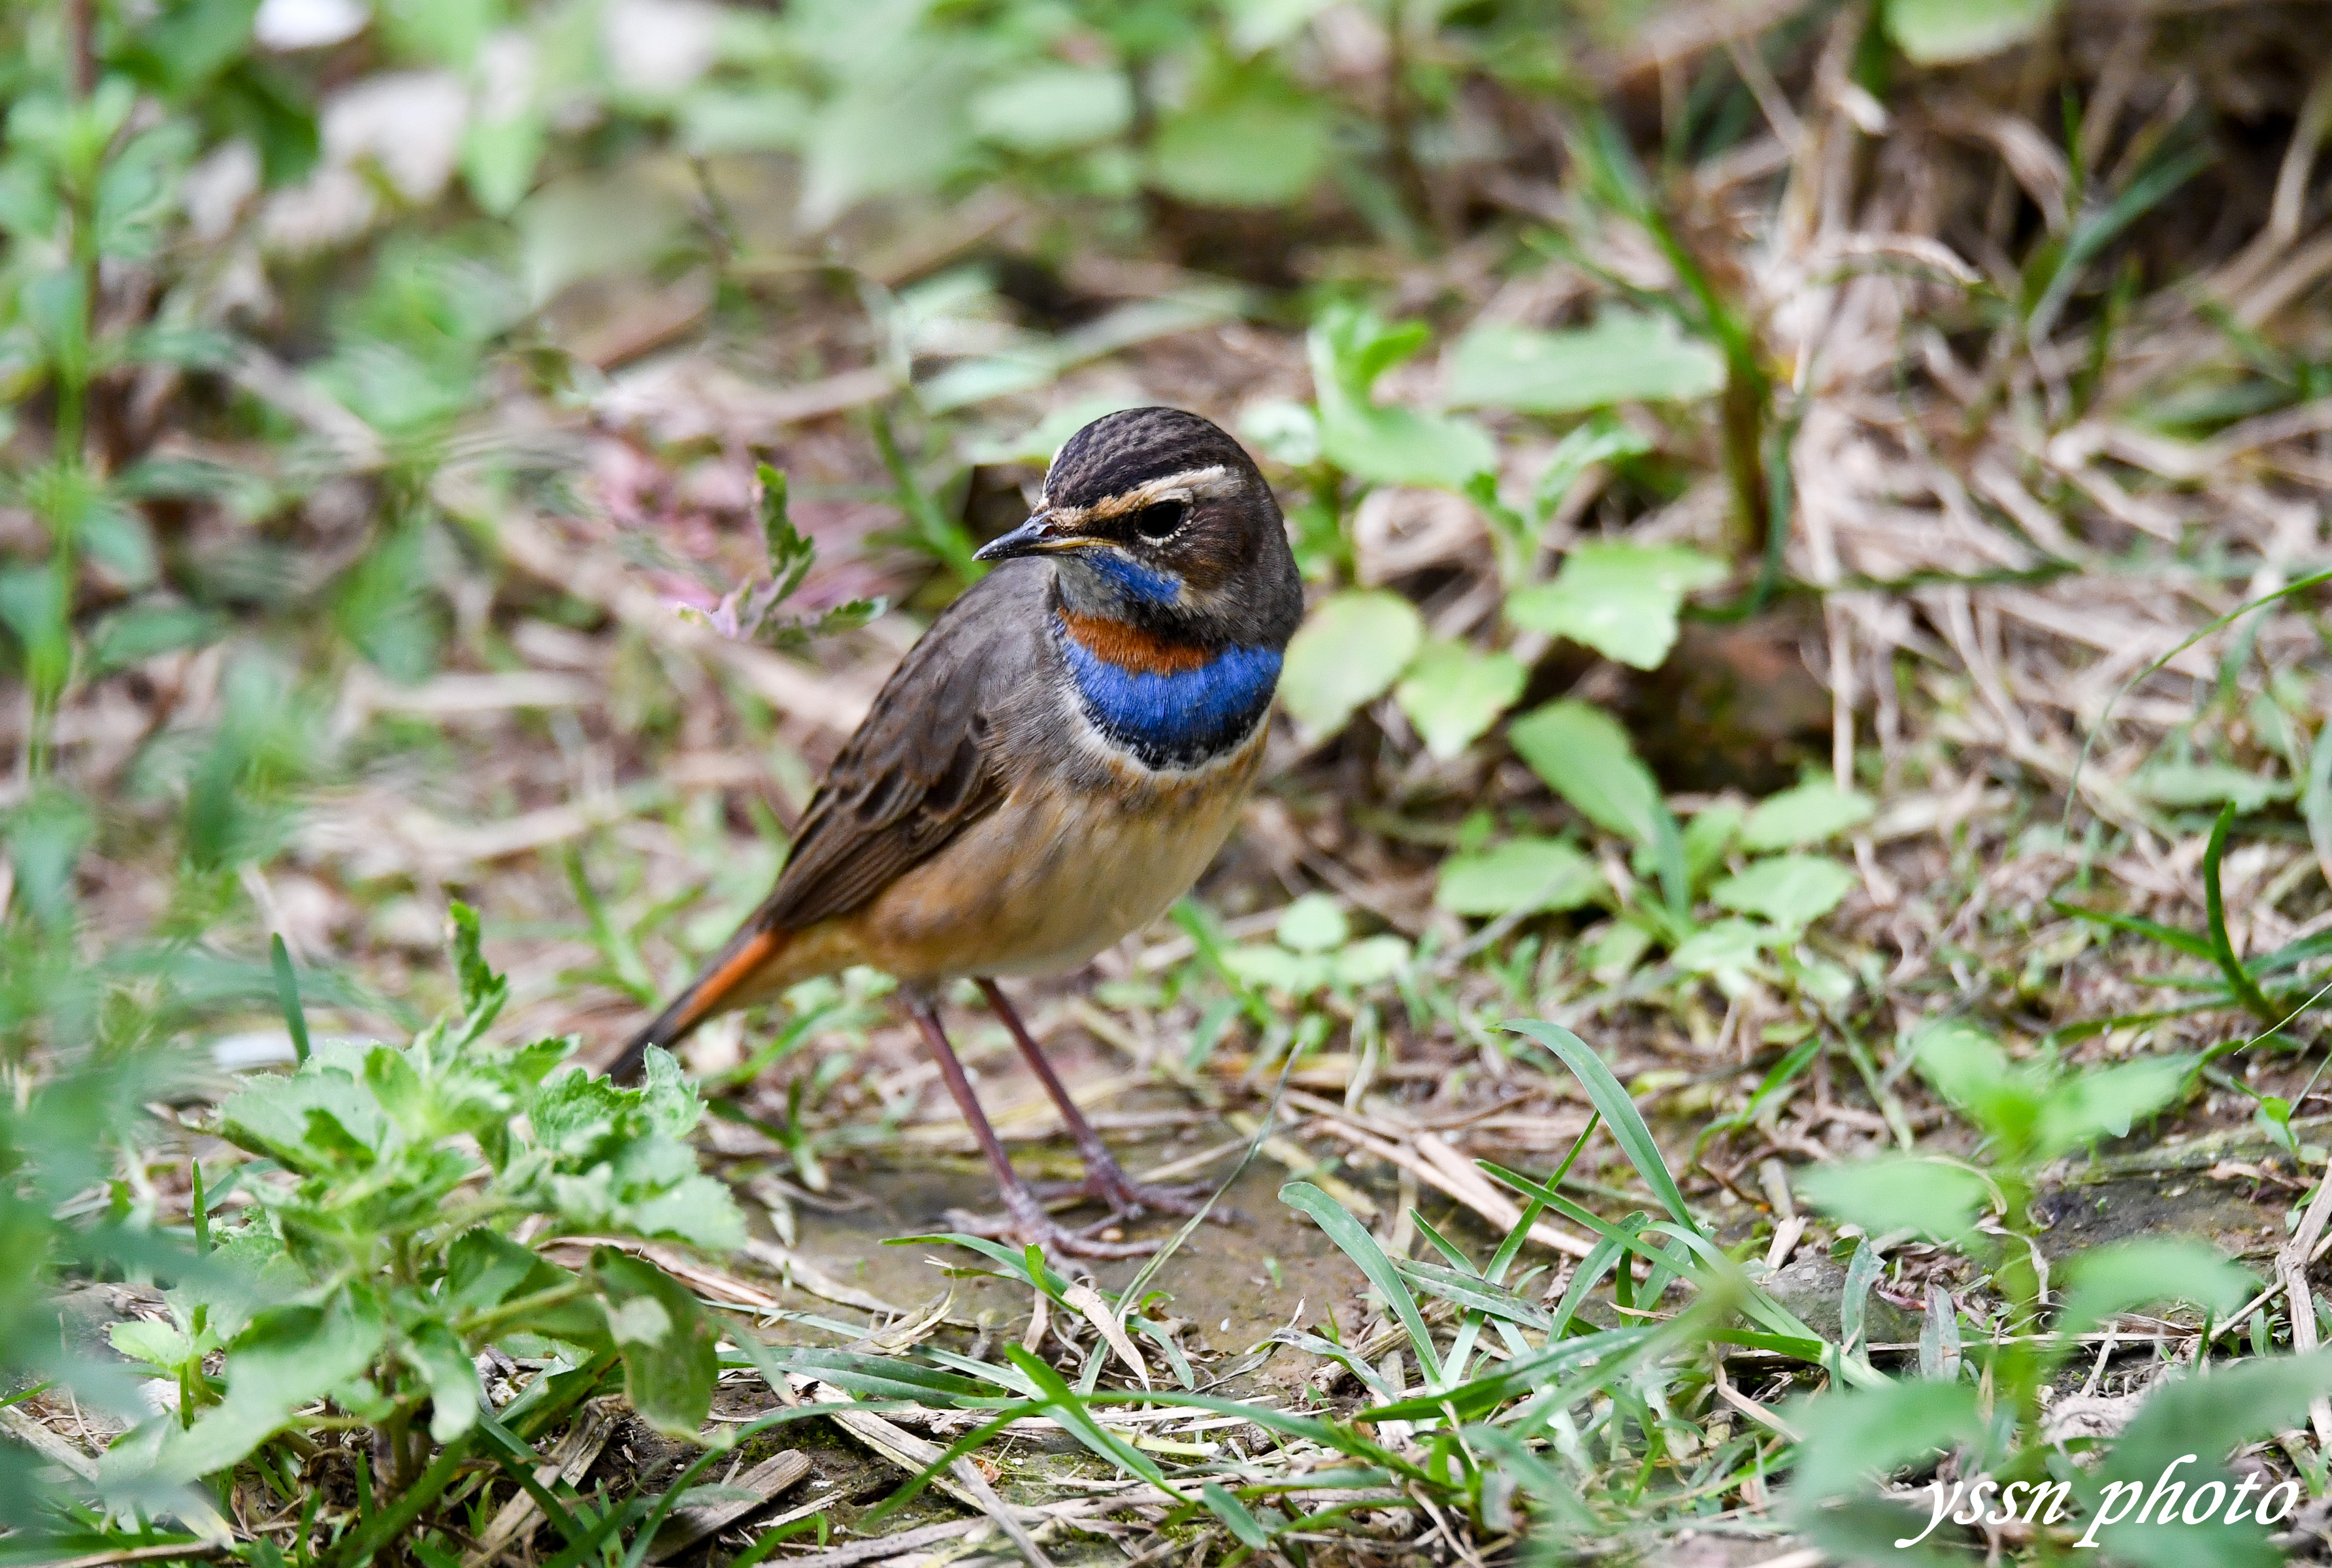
{"points": [[519, 1462], [2184, 942], [2223, 948], [2292, 955], [1612, 1103], [1583, 1279], [287, 992], [1235, 1516], [1608, 1351], [1064, 1404], [1352, 1238], [2315, 801], [1313, 1345], [1447, 1248], [1473, 1293]]}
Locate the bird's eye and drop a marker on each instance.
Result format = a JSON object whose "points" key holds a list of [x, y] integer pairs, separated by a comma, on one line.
{"points": [[1160, 519]]}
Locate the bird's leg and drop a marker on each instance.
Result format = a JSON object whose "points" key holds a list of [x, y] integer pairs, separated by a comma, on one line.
{"points": [[1105, 1179], [1024, 1219]]}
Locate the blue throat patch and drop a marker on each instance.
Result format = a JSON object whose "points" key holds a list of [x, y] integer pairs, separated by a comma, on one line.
{"points": [[1180, 718]]}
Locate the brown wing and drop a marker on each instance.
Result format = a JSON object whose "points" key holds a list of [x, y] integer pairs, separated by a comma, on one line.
{"points": [[922, 768]]}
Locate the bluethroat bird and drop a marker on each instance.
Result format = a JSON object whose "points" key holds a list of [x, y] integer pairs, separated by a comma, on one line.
{"points": [[1049, 769]]}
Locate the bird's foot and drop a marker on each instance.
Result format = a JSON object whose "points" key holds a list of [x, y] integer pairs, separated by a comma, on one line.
{"points": [[1022, 1224], [1106, 1182]]}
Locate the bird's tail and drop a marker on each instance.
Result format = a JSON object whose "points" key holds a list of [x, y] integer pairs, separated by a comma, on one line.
{"points": [[710, 992]]}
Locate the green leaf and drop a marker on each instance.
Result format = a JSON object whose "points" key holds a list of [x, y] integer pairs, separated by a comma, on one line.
{"points": [[1522, 874], [2199, 1421], [499, 158], [1723, 945], [1249, 138], [1935, 1198], [1944, 31], [900, 122], [1454, 692], [137, 191], [716, 118], [1619, 598], [1964, 1063], [483, 1269], [2085, 1107], [1270, 968], [1053, 108], [1315, 923], [667, 1344], [1792, 891], [1243, 1526], [1618, 1109], [1286, 433], [1707, 837], [142, 632], [322, 1118], [1586, 757], [1256, 25], [45, 834], [2120, 1277], [2209, 783], [34, 606], [287, 1357], [565, 237], [1601, 438], [2036, 1111], [1353, 1240], [1348, 652], [384, 607], [1625, 357], [1809, 813], [1349, 347], [119, 539], [1370, 962], [156, 1343], [1854, 1436], [453, 1381]]}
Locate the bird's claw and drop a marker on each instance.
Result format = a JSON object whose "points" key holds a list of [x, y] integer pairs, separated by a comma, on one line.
{"points": [[1128, 1199], [1036, 1226]]}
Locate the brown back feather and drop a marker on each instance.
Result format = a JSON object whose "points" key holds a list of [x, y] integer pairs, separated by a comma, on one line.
{"points": [[921, 767]]}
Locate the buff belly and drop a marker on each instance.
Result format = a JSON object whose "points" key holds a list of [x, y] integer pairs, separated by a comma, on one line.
{"points": [[1051, 878]]}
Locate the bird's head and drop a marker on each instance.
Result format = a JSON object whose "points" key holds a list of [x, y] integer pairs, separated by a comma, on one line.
{"points": [[1157, 516]]}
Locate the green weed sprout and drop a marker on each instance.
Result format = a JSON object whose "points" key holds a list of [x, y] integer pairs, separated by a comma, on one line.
{"points": [[382, 1252]]}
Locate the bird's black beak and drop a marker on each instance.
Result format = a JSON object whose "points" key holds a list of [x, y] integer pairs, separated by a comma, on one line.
{"points": [[1037, 536]]}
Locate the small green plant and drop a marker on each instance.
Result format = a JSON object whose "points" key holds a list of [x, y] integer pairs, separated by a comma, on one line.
{"points": [[1753, 867], [85, 189], [1991, 1405], [1312, 950], [750, 610], [58, 1143], [404, 1204]]}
